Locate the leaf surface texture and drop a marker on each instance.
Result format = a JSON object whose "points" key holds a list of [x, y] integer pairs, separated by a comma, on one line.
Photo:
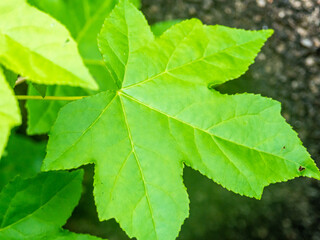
{"points": [[84, 20], [36, 208], [38, 47], [164, 116], [26, 162], [9, 111]]}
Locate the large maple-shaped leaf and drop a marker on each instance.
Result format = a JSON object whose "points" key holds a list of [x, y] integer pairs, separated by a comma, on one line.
{"points": [[163, 116], [9, 111], [38, 47], [84, 20], [36, 208]]}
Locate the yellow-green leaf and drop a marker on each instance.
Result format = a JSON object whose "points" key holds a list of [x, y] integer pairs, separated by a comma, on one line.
{"points": [[9, 111], [38, 47], [164, 116]]}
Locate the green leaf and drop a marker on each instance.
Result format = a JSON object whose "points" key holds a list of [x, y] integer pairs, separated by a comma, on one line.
{"points": [[122, 34], [66, 235], [9, 111], [207, 55], [41, 89], [137, 3], [42, 114], [38, 47], [84, 20], [164, 116], [23, 157], [159, 28], [10, 76], [37, 208]]}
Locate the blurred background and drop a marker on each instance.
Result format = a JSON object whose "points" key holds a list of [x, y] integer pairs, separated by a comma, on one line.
{"points": [[288, 70]]}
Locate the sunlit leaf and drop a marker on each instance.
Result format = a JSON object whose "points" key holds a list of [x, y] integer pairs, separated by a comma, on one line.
{"points": [[9, 111], [38, 47], [164, 116]]}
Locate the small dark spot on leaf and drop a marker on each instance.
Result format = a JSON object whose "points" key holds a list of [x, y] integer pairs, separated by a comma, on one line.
{"points": [[68, 40], [301, 168], [284, 147]]}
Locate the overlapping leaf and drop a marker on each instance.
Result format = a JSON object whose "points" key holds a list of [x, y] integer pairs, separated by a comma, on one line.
{"points": [[23, 157], [161, 27], [84, 20], [38, 47], [10, 76], [9, 111], [42, 114], [164, 115], [37, 208]]}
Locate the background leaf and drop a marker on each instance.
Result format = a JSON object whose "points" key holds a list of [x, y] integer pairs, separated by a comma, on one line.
{"points": [[159, 28], [23, 157], [84, 20], [9, 111], [41, 89], [37, 208], [10, 76], [38, 47], [42, 114]]}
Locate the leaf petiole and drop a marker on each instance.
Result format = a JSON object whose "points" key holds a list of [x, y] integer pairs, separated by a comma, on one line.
{"points": [[51, 98]]}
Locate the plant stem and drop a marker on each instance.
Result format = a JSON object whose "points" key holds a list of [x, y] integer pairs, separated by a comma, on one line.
{"points": [[52, 98]]}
